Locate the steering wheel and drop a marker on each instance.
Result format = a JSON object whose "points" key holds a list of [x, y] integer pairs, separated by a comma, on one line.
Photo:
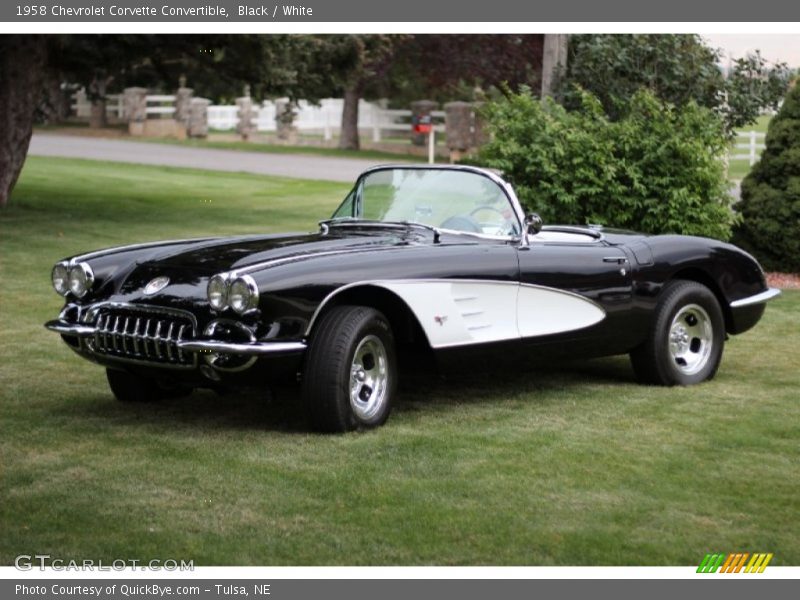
{"points": [[506, 228], [487, 207]]}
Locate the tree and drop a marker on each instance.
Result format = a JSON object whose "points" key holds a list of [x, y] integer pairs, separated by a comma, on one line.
{"points": [[22, 60], [216, 66], [355, 62], [676, 69], [657, 169], [451, 67], [751, 87], [770, 202]]}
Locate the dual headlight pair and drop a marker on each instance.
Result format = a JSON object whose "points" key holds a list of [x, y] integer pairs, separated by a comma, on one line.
{"points": [[76, 279], [241, 294]]}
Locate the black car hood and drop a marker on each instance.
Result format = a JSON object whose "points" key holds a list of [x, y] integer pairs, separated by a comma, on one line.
{"points": [[226, 254]]}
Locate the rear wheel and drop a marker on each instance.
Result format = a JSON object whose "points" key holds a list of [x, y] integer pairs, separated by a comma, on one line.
{"points": [[685, 342], [350, 374]]}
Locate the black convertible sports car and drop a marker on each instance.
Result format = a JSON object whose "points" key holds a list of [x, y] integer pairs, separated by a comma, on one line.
{"points": [[416, 258]]}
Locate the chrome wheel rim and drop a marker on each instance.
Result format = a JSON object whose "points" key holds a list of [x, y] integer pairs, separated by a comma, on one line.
{"points": [[369, 378], [691, 339]]}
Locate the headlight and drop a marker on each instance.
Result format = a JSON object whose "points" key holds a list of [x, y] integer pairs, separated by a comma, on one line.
{"points": [[80, 279], [61, 279], [217, 292], [243, 294]]}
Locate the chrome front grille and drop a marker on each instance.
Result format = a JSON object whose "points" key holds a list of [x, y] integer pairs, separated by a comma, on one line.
{"points": [[143, 334]]}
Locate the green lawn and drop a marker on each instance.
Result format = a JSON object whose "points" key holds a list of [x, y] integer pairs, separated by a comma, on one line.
{"points": [[569, 465]]}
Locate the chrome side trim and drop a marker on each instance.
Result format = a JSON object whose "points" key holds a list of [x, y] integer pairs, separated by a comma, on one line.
{"points": [[757, 298], [253, 349]]}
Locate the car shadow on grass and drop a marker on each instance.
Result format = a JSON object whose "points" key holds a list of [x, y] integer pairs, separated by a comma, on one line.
{"points": [[281, 410]]}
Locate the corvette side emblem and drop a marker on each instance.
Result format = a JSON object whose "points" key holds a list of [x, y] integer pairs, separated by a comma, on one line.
{"points": [[440, 320], [156, 285]]}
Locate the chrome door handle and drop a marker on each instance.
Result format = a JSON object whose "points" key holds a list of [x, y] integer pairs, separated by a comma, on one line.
{"points": [[620, 260]]}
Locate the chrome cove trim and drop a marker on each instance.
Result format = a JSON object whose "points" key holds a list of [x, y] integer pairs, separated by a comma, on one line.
{"points": [[251, 349], [757, 298]]}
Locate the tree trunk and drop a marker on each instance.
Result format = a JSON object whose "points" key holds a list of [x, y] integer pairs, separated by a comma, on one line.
{"points": [[22, 65], [97, 112], [348, 140]]}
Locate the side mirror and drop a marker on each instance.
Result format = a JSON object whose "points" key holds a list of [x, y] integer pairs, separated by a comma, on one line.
{"points": [[533, 224]]}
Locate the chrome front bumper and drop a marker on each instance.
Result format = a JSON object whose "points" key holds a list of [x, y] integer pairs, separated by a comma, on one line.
{"points": [[199, 346], [757, 298]]}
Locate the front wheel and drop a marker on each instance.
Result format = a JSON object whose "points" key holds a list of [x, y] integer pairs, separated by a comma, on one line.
{"points": [[685, 342], [350, 375]]}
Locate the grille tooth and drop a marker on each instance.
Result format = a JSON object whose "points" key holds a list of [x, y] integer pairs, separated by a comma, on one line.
{"points": [[157, 339], [125, 335], [114, 334], [132, 329], [169, 340], [136, 336], [180, 337]]}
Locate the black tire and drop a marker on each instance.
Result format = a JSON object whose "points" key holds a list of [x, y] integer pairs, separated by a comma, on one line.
{"points": [[130, 388], [328, 375], [685, 342]]}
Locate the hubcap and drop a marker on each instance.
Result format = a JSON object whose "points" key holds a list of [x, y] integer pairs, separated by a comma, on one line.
{"points": [[691, 337], [369, 378]]}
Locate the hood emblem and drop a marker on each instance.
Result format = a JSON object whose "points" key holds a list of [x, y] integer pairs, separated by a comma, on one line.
{"points": [[156, 285]]}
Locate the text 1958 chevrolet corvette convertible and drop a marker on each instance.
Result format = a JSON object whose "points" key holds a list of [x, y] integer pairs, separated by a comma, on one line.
{"points": [[433, 258]]}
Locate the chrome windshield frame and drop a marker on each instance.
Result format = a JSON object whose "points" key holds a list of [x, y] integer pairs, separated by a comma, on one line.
{"points": [[505, 187]]}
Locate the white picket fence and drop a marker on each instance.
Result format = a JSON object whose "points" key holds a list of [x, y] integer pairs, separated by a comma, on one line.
{"points": [[157, 104], [752, 146], [324, 119]]}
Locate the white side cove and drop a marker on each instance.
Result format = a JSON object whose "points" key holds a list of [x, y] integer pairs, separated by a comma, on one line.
{"points": [[457, 313]]}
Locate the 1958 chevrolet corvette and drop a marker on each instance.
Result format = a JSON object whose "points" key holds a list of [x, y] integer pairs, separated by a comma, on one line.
{"points": [[416, 258]]}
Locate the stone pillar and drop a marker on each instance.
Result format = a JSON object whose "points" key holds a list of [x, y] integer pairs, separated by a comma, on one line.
{"points": [[198, 118], [183, 105], [246, 126], [134, 109], [458, 128], [284, 120], [420, 109], [480, 134], [81, 104]]}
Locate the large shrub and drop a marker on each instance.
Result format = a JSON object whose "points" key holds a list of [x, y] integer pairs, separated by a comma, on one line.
{"points": [[656, 169], [770, 204]]}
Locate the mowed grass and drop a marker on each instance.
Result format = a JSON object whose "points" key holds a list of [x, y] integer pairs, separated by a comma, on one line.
{"points": [[568, 465]]}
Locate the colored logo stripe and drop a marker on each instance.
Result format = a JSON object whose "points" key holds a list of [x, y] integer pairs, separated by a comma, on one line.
{"points": [[735, 562]]}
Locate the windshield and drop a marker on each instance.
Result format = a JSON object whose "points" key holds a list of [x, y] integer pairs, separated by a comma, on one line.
{"points": [[447, 199]]}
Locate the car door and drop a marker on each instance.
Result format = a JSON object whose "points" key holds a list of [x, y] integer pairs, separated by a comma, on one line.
{"points": [[573, 285]]}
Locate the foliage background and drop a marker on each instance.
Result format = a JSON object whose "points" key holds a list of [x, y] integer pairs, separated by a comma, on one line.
{"points": [[657, 168]]}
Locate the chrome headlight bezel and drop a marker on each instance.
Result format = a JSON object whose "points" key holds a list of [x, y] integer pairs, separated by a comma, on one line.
{"points": [[60, 284], [83, 274], [243, 294], [218, 298]]}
